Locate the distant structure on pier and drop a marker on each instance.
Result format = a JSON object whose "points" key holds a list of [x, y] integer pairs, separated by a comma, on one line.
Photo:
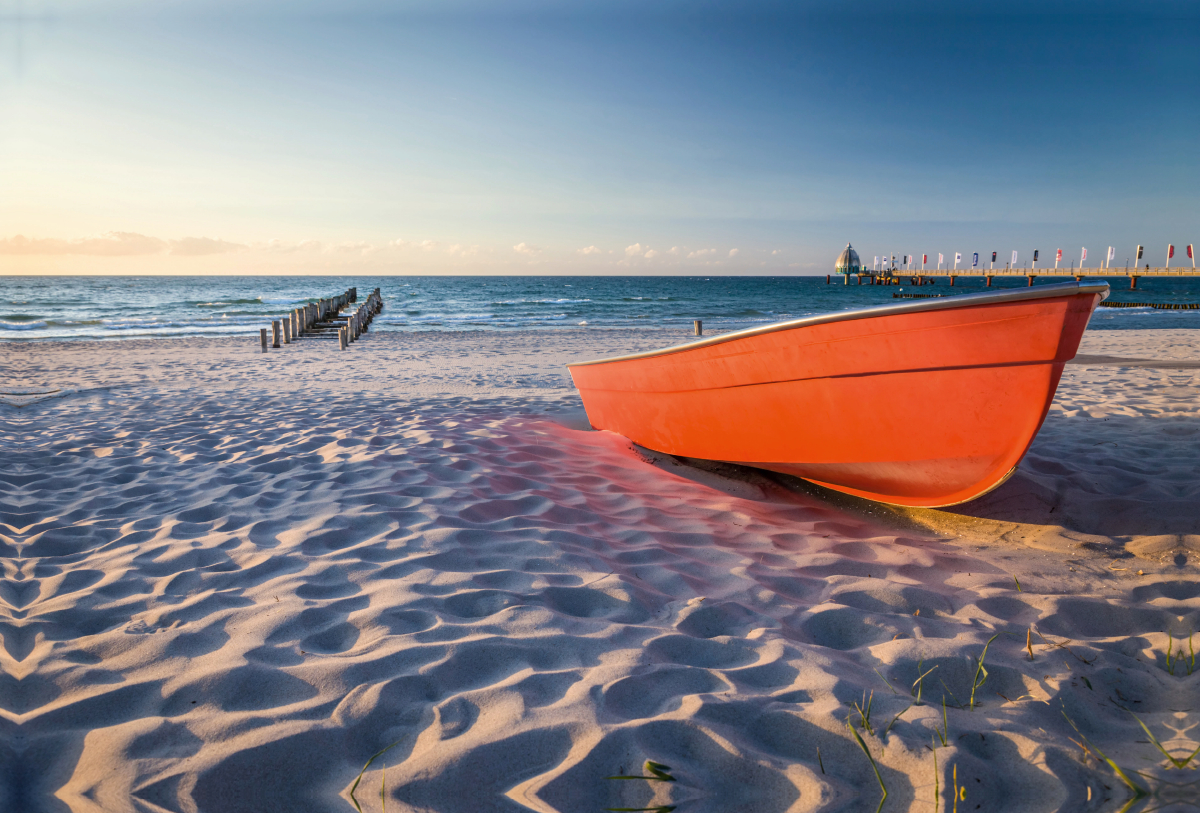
{"points": [[847, 262]]}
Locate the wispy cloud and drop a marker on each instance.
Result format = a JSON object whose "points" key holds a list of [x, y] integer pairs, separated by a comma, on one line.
{"points": [[700, 253], [733, 252], [525, 248], [588, 250], [116, 244], [650, 253], [635, 250]]}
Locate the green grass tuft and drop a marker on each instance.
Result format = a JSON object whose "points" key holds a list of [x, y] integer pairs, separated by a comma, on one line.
{"points": [[874, 767], [981, 673], [1178, 763], [1138, 791], [358, 779], [919, 684]]}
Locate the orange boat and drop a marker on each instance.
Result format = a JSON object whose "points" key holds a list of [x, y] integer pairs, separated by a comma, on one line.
{"points": [[927, 403]]}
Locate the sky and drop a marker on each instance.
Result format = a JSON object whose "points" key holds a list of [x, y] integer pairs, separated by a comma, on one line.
{"points": [[585, 137]]}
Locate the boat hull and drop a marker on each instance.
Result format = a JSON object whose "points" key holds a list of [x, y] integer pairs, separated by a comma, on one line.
{"points": [[918, 407]]}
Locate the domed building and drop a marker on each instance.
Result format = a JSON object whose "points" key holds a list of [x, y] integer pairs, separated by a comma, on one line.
{"points": [[847, 262]]}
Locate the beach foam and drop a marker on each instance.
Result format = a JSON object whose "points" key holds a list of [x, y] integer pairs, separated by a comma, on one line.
{"points": [[231, 578]]}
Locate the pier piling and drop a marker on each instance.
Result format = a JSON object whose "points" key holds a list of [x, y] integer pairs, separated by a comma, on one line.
{"points": [[275, 330], [262, 331]]}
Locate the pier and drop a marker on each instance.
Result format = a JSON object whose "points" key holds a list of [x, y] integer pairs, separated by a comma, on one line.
{"points": [[324, 319], [928, 276]]}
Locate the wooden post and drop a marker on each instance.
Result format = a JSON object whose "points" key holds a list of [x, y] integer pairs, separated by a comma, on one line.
{"points": [[698, 325], [1032, 277], [287, 330], [989, 282], [296, 322], [275, 328], [262, 331], [827, 278], [952, 278], [1133, 283]]}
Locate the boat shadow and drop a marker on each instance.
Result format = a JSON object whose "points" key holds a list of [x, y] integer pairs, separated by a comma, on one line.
{"points": [[1119, 487]]}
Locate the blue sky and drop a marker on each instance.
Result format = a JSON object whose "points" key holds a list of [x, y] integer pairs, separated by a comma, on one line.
{"points": [[619, 137]]}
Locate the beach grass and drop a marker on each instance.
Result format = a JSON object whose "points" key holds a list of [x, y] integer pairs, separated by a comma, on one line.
{"points": [[874, 767]]}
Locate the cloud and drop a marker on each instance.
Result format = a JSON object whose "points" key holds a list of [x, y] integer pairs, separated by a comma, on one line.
{"points": [[109, 244], [201, 246], [776, 251], [733, 252], [588, 250], [352, 247], [117, 244], [650, 253], [635, 250], [457, 250], [701, 252], [674, 250], [525, 248]]}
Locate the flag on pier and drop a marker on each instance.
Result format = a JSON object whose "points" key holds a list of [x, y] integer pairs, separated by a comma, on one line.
{"points": [[993, 258], [975, 260], [1058, 256], [957, 257], [941, 259], [925, 257], [1139, 254], [1083, 258], [1190, 256], [1112, 252], [1035, 255], [1014, 259], [1170, 251]]}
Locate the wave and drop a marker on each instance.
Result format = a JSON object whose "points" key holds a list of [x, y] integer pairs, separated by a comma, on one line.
{"points": [[255, 301], [6, 325], [540, 301]]}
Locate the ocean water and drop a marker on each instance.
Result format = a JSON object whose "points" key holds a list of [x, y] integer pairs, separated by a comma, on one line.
{"points": [[96, 308]]}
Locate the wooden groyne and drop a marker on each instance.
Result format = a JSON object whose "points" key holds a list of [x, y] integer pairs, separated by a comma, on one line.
{"points": [[324, 319]]}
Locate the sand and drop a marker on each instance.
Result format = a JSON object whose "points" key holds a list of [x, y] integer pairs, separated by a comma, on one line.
{"points": [[230, 579]]}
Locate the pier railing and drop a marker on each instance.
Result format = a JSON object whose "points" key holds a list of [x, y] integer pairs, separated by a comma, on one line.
{"points": [[925, 276]]}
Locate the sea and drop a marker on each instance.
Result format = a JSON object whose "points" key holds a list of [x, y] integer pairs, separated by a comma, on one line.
{"points": [[104, 308]]}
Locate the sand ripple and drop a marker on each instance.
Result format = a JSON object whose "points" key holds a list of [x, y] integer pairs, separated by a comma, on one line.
{"points": [[228, 598]]}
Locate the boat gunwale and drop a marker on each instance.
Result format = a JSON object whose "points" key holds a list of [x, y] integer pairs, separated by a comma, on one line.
{"points": [[940, 303]]}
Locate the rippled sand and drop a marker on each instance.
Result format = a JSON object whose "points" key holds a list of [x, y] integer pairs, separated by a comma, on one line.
{"points": [[230, 578]]}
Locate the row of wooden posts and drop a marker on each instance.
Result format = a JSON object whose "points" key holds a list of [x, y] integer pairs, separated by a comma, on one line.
{"points": [[324, 319]]}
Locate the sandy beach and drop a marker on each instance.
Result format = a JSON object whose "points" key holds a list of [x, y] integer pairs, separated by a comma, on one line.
{"points": [[230, 579]]}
